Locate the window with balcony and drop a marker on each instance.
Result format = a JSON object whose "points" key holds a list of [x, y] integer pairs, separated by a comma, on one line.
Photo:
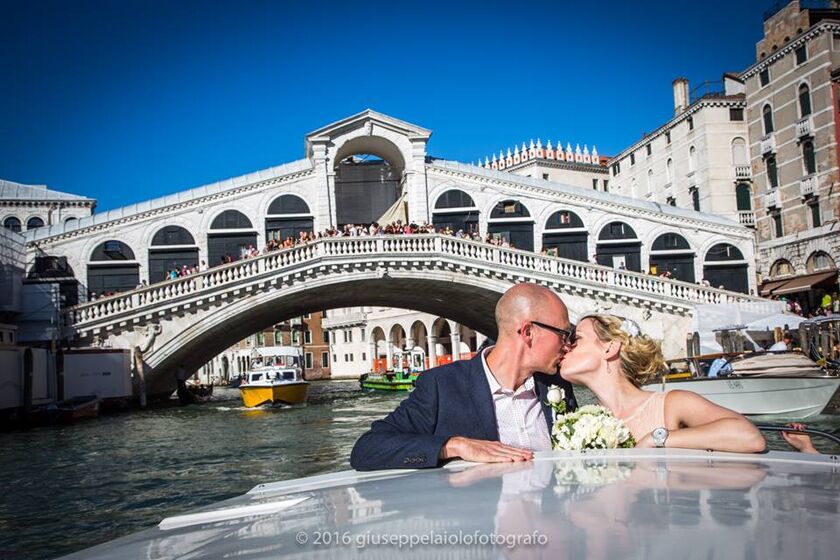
{"points": [[743, 197], [804, 101], [767, 116], [809, 159], [801, 55], [764, 77], [772, 172]]}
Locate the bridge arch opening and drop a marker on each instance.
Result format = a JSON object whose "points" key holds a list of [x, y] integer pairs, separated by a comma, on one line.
{"points": [[231, 234], [725, 267], [511, 221], [456, 210], [172, 248], [288, 216], [619, 247], [671, 253], [112, 268], [369, 176], [566, 236]]}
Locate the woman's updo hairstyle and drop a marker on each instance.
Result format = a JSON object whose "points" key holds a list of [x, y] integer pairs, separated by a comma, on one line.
{"points": [[641, 356]]}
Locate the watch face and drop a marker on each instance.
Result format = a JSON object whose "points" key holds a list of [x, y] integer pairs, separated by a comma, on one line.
{"points": [[659, 435]]}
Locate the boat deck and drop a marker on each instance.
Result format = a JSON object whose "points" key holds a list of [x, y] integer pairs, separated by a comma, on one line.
{"points": [[634, 503]]}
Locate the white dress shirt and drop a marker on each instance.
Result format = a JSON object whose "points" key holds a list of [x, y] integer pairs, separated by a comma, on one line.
{"points": [[519, 414]]}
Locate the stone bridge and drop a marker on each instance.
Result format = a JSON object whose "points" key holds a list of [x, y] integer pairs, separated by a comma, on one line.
{"points": [[187, 321]]}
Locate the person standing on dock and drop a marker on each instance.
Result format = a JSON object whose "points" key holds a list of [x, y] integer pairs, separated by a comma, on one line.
{"points": [[489, 409]]}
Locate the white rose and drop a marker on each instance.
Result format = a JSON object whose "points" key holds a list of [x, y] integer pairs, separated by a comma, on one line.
{"points": [[555, 394]]}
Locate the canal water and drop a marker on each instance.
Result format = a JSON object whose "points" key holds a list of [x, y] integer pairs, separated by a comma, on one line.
{"points": [[68, 488]]}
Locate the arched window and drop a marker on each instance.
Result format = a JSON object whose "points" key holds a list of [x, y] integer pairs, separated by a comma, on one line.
{"points": [[692, 159], [70, 220], [804, 101], [767, 115], [650, 181], [509, 209], [671, 254], [819, 261], [669, 171], [456, 210], [288, 204], [724, 267], [34, 222], [510, 222], [772, 172], [781, 267], [743, 197], [231, 219], [739, 152], [808, 158], [12, 223], [173, 235], [108, 272], [454, 198]]}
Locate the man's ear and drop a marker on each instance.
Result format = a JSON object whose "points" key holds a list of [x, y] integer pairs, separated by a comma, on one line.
{"points": [[525, 331]]}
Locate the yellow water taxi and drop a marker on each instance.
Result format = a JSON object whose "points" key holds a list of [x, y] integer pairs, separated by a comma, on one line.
{"points": [[279, 382]]}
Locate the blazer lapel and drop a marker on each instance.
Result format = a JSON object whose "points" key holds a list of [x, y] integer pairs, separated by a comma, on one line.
{"points": [[479, 391], [542, 390]]}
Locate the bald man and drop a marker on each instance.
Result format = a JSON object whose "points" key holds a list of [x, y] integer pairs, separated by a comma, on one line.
{"points": [[489, 409]]}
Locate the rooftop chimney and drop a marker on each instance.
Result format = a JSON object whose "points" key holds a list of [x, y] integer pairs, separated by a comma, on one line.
{"points": [[680, 95]]}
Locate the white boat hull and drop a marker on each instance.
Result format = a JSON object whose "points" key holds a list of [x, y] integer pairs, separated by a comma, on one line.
{"points": [[758, 396]]}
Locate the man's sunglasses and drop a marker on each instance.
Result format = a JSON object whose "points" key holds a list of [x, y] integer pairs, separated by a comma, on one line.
{"points": [[566, 337]]}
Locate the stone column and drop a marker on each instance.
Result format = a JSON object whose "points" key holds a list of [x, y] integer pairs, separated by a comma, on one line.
{"points": [[456, 343], [432, 343], [373, 355]]}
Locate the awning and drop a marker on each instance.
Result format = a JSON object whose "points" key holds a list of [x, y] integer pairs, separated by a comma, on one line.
{"points": [[798, 283], [768, 287]]}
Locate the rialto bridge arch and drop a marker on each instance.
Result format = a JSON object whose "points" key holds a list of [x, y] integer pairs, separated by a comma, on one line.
{"points": [[186, 321]]}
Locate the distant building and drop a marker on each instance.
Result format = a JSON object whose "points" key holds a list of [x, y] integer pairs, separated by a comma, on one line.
{"points": [[792, 112], [25, 207]]}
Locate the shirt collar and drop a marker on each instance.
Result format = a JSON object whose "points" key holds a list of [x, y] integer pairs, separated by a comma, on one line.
{"points": [[495, 387]]}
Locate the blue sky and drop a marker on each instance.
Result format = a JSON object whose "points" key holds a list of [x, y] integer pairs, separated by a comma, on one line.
{"points": [[125, 101]]}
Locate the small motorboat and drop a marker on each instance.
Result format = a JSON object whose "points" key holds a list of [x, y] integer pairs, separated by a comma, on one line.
{"points": [[756, 383], [273, 385], [407, 366]]}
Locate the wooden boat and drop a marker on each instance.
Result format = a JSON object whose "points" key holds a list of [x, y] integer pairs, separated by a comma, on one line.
{"points": [[77, 408], [189, 393], [273, 385], [756, 383]]}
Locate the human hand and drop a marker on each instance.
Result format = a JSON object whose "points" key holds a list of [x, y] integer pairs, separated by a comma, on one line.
{"points": [[483, 451], [646, 442], [800, 442]]}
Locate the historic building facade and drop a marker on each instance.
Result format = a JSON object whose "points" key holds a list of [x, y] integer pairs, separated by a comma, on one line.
{"points": [[792, 111], [26, 207]]}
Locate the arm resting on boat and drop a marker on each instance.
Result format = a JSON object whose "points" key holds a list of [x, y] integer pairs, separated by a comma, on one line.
{"points": [[700, 424], [405, 439]]}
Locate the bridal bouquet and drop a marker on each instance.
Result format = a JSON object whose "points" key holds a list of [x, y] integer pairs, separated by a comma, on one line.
{"points": [[589, 427]]}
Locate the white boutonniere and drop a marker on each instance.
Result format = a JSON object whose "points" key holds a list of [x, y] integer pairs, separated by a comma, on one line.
{"points": [[556, 400]]}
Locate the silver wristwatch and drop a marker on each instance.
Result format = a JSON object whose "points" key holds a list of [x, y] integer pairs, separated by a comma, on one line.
{"points": [[659, 436]]}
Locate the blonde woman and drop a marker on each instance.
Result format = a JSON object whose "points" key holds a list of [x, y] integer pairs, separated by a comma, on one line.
{"points": [[613, 359]]}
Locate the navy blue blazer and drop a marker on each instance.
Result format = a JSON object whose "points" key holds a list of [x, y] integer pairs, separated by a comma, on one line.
{"points": [[450, 400]]}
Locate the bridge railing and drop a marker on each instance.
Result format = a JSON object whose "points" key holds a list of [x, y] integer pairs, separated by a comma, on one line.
{"points": [[385, 247]]}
